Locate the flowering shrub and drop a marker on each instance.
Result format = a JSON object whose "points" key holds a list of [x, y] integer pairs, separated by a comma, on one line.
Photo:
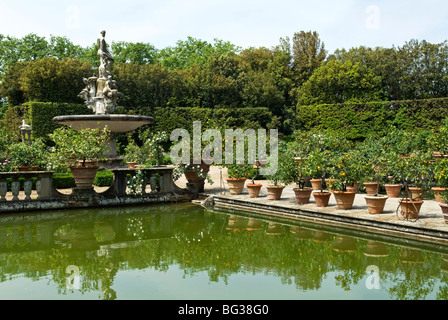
{"points": [[22, 154], [5, 164], [135, 183], [153, 149]]}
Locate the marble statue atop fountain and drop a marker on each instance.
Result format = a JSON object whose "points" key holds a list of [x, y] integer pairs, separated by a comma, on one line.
{"points": [[101, 93]]}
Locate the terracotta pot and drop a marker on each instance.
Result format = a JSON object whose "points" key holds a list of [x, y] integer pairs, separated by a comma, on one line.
{"points": [[393, 190], [410, 208], [132, 164], [274, 192], [354, 188], [376, 205], [303, 195], [416, 193], [192, 175], [438, 193], [371, 187], [344, 199], [236, 186], [322, 198], [24, 168], [84, 175], [444, 208], [316, 184], [254, 189]]}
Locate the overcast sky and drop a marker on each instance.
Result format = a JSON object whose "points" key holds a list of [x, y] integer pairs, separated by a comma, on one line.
{"points": [[246, 23]]}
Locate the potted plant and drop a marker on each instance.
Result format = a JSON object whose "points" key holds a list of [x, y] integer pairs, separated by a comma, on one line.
{"points": [[340, 174], [76, 149], [252, 187], [237, 176], [298, 172], [28, 157], [444, 205], [392, 180], [282, 176], [412, 170], [441, 178], [133, 154], [420, 173]]}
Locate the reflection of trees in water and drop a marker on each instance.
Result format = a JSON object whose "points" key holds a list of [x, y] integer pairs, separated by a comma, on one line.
{"points": [[103, 243]]}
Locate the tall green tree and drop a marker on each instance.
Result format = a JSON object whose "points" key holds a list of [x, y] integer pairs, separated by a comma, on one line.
{"points": [[193, 52], [45, 80], [138, 52], [337, 82], [308, 53]]}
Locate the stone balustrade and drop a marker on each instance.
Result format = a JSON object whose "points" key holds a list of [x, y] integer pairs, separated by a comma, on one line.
{"points": [[160, 179], [156, 185], [43, 185]]}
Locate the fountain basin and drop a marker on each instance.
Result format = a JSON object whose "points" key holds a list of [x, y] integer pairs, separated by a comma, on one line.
{"points": [[115, 122]]}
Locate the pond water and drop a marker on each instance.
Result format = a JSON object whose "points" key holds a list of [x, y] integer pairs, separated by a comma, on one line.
{"points": [[183, 251]]}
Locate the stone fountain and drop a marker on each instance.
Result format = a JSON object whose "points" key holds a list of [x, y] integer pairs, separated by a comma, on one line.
{"points": [[101, 95]]}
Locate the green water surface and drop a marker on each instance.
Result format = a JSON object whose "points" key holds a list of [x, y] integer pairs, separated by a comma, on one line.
{"points": [[183, 251]]}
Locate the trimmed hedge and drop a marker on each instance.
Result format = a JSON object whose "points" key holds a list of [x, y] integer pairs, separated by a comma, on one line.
{"points": [[40, 116], [358, 121], [168, 119]]}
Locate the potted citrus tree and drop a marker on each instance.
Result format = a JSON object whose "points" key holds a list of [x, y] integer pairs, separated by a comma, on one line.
{"points": [[252, 187], [441, 178], [414, 170], [340, 174], [282, 176], [237, 176], [79, 151], [420, 173], [298, 172], [318, 165], [392, 176], [28, 157], [133, 154]]}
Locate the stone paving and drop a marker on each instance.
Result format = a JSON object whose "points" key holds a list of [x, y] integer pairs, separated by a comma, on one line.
{"points": [[430, 223]]}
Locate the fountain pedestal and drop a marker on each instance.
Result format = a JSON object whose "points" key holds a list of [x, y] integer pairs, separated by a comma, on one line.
{"points": [[114, 122]]}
